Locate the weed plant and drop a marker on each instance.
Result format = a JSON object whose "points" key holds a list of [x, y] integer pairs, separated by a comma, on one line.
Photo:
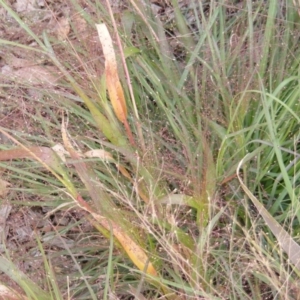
{"points": [[192, 183]]}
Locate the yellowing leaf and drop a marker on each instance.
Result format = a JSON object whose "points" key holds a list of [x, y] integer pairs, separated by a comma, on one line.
{"points": [[106, 219], [133, 250], [114, 87]]}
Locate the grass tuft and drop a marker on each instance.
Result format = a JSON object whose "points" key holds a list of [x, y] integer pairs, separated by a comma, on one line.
{"points": [[158, 159]]}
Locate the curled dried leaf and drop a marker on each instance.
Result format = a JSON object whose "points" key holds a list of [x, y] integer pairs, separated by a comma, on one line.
{"points": [[114, 87]]}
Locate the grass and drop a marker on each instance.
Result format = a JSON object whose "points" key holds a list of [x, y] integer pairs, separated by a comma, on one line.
{"points": [[191, 184]]}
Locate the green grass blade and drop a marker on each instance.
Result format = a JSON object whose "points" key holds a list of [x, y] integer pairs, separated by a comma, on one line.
{"points": [[286, 242]]}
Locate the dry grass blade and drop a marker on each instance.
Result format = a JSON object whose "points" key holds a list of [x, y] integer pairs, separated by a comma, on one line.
{"points": [[112, 78], [129, 84], [44, 155], [114, 87], [286, 242], [106, 219], [133, 250]]}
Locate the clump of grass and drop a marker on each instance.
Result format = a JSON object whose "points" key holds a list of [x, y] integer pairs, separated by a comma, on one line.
{"points": [[159, 175]]}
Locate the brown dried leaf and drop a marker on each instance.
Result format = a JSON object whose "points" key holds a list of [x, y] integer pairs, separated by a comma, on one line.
{"points": [[133, 250], [44, 154], [114, 87]]}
